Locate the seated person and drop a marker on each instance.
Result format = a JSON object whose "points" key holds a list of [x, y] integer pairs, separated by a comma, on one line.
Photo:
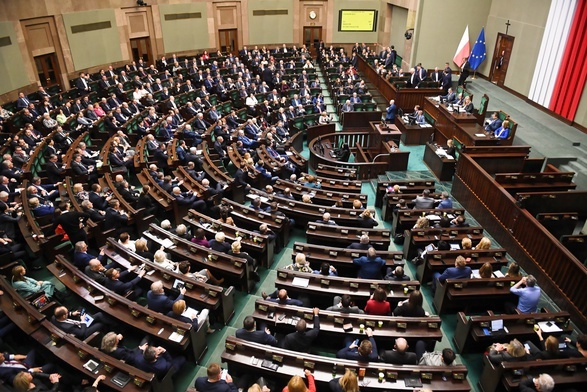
{"points": [[281, 297], [378, 304], [250, 333], [460, 271], [446, 357], [548, 348], [326, 220], [580, 349], [110, 345], [113, 281], [420, 118], [363, 244], [365, 351], [397, 274], [26, 286], [399, 355], [493, 124], [468, 105], [412, 307], [300, 264], [370, 266], [542, 383], [181, 312], [459, 221], [344, 304], [301, 340], [503, 132], [158, 301], [513, 351], [158, 361], [326, 270], [76, 326]]}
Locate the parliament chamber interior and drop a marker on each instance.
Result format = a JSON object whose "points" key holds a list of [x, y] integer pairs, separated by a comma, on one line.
{"points": [[296, 195]]}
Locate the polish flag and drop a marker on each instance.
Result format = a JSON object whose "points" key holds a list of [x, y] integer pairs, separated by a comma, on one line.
{"points": [[463, 50]]}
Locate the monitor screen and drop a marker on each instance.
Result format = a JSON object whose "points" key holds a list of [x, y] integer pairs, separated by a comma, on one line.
{"points": [[357, 20], [496, 325]]}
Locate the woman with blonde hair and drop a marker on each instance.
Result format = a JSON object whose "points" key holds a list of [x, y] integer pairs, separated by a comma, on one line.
{"points": [[422, 223], [466, 243], [347, 383], [485, 243], [297, 384], [513, 351]]}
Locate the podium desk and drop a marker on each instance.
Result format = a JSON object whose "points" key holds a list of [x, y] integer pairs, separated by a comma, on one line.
{"points": [[442, 167]]}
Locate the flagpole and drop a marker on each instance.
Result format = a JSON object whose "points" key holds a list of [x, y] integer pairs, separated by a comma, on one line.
{"points": [[474, 74]]}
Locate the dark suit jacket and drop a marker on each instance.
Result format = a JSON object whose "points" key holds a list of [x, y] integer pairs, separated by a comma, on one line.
{"points": [[98, 201], [70, 222], [113, 219], [353, 354], [121, 287], [301, 341], [256, 336], [160, 302], [54, 172], [397, 358], [160, 367]]}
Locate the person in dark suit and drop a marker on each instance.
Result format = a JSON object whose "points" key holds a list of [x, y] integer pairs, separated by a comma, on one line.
{"points": [[468, 105], [82, 84], [543, 383], [12, 364], [55, 170], [62, 318], [414, 80], [79, 169], [391, 112], [250, 333], [399, 355], [81, 257], [159, 301], [22, 101], [37, 382], [460, 271], [213, 381], [366, 351], [188, 199], [96, 271], [99, 201], [326, 220], [363, 243], [241, 177], [72, 222], [370, 266], [436, 76], [302, 339], [158, 361], [465, 72], [494, 123], [449, 97], [114, 283], [116, 218]]}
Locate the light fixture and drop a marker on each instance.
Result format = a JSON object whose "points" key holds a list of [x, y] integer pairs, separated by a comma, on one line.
{"points": [[408, 33], [141, 3]]}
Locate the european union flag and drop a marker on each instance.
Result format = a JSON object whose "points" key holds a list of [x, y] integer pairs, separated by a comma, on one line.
{"points": [[478, 54]]}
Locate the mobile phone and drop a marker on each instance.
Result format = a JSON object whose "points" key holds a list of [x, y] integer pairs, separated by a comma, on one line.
{"points": [[82, 311], [527, 346], [356, 342], [281, 317]]}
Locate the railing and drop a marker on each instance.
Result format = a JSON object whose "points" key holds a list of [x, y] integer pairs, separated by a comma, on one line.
{"points": [[559, 273]]}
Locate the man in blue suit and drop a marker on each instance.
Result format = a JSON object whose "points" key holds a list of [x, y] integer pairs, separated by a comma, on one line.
{"points": [[157, 360], [460, 271], [159, 301], [81, 257], [391, 112], [370, 266], [366, 351], [494, 123], [251, 334], [114, 283]]}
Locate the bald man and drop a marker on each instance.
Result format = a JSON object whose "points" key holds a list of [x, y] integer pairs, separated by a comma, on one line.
{"points": [[399, 355]]}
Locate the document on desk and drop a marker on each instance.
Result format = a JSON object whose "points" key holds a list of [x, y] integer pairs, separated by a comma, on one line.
{"points": [[300, 282], [480, 135], [164, 242], [175, 337], [545, 327]]}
